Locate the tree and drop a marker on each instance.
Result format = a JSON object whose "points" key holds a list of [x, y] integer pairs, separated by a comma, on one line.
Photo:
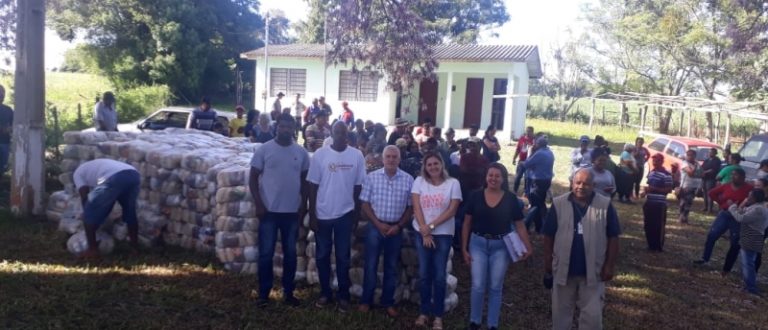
{"points": [[456, 21], [80, 59], [682, 47], [565, 81], [188, 45], [396, 37]]}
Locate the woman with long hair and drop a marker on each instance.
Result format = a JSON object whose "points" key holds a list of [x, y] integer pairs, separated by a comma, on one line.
{"points": [[436, 197], [491, 145], [491, 213]]}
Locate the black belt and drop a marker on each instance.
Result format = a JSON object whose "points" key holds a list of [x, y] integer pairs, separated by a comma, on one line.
{"points": [[490, 236]]}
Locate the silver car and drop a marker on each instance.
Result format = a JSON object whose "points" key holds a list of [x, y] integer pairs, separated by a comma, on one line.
{"points": [[179, 117]]}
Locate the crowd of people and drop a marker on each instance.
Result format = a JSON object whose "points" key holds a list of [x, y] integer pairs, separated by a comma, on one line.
{"points": [[419, 181]]}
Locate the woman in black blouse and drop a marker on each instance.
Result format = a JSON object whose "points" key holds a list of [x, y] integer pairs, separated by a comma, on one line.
{"points": [[490, 215]]}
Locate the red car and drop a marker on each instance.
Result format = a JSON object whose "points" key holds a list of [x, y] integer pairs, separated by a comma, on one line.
{"points": [[674, 148]]}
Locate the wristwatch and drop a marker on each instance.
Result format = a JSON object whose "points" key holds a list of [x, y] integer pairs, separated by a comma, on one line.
{"points": [[431, 226]]}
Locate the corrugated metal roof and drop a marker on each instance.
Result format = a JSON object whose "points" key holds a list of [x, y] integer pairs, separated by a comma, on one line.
{"points": [[471, 53], [451, 52]]}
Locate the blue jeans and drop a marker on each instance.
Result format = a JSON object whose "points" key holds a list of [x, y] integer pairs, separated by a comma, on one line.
{"points": [[4, 150], [432, 273], [538, 201], [723, 222], [489, 266], [519, 173], [334, 233], [122, 187], [748, 271], [288, 224], [375, 245]]}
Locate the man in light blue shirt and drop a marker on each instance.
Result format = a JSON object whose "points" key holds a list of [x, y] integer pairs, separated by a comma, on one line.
{"points": [[539, 165]]}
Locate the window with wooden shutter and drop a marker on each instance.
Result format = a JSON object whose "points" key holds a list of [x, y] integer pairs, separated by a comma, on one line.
{"points": [[360, 86], [288, 81]]}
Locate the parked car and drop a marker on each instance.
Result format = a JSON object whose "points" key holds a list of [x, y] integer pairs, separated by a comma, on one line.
{"points": [[674, 148], [753, 152], [180, 117]]}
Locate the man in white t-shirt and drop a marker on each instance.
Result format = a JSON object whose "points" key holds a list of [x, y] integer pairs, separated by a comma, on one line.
{"points": [[336, 174], [101, 183]]}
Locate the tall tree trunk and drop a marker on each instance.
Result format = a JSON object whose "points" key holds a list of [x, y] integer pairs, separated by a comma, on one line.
{"points": [[664, 122], [710, 126]]}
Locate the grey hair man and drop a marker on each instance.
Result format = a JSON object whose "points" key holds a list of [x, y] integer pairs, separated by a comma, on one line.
{"points": [[581, 245]]}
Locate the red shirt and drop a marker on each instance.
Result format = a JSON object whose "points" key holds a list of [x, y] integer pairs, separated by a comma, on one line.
{"points": [[523, 143], [722, 193]]}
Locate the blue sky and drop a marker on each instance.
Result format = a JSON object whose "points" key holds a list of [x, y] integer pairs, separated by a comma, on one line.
{"points": [[532, 22]]}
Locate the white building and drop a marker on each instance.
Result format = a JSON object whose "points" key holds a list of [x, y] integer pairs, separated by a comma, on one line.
{"points": [[468, 77]]}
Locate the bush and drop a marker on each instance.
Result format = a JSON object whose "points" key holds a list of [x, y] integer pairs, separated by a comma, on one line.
{"points": [[138, 102]]}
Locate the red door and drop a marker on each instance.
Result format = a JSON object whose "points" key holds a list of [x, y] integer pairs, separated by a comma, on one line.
{"points": [[428, 100], [473, 103]]}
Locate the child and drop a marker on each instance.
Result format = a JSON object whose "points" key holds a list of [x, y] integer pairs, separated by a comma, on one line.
{"points": [[753, 217], [675, 171]]}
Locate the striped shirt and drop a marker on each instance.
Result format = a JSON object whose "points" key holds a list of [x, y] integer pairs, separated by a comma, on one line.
{"points": [[659, 178], [754, 220], [388, 196]]}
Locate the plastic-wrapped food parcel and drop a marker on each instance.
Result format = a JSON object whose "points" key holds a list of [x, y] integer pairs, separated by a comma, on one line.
{"points": [[194, 194]]}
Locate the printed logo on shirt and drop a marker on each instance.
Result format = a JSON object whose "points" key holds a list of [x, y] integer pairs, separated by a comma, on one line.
{"points": [[432, 201], [333, 167]]}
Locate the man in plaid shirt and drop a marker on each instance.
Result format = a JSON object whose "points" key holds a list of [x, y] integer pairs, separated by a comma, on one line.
{"points": [[386, 198]]}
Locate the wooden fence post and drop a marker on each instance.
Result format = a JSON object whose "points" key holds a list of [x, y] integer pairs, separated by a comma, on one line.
{"points": [[592, 115], [80, 122], [690, 120], [602, 116], [621, 115], [682, 119], [643, 116], [727, 130]]}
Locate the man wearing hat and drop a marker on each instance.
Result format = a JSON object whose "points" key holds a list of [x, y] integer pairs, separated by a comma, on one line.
{"points": [[580, 156], [540, 166], [316, 133], [400, 125], [204, 117]]}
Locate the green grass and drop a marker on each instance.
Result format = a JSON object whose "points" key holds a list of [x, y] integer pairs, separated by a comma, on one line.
{"points": [[66, 90], [42, 285]]}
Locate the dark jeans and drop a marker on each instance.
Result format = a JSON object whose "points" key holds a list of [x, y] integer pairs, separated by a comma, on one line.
{"points": [[637, 179], [686, 201], [654, 223], [334, 233], [375, 245], [723, 222], [4, 151], [707, 185], [288, 224], [538, 201], [122, 187], [433, 263], [519, 173], [624, 182]]}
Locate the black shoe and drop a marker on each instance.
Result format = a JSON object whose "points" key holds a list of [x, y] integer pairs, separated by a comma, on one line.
{"points": [[322, 302], [473, 326], [292, 301], [699, 262], [344, 306], [262, 302], [493, 328]]}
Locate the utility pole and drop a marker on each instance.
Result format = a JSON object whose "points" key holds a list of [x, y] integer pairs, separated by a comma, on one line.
{"points": [[325, 53], [266, 63], [28, 183]]}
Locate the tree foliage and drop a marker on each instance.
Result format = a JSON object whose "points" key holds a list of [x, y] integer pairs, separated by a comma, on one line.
{"points": [[679, 47], [395, 37], [7, 24], [191, 46]]}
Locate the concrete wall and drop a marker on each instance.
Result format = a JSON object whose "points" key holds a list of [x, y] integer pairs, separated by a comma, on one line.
{"points": [[380, 111]]}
